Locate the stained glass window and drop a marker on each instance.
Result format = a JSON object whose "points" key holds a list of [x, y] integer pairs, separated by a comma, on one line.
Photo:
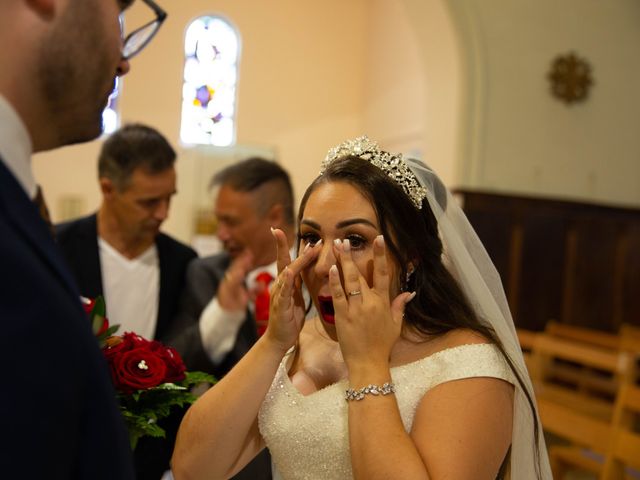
{"points": [[211, 49]]}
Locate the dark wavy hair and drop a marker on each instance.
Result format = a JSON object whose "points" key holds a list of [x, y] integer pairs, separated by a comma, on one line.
{"points": [[411, 236]]}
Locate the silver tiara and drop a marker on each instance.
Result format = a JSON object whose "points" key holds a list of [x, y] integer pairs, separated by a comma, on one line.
{"points": [[392, 164]]}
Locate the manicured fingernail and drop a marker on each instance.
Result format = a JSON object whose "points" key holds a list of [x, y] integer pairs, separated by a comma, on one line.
{"points": [[337, 242], [306, 248], [346, 245], [273, 231], [319, 242], [333, 270], [410, 297], [379, 241]]}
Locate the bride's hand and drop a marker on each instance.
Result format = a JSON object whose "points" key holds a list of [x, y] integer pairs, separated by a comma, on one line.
{"points": [[368, 323], [287, 308]]}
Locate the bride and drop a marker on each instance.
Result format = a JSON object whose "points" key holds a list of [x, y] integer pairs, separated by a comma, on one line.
{"points": [[411, 369]]}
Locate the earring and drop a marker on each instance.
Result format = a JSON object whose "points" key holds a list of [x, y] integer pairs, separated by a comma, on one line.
{"points": [[407, 278]]}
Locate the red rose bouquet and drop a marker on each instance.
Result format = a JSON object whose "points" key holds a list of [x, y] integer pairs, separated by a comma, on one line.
{"points": [[150, 378]]}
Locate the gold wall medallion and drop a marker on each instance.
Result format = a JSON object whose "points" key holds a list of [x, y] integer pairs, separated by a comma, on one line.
{"points": [[570, 78]]}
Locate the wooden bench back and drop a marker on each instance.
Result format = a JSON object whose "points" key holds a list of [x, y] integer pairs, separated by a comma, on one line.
{"points": [[624, 450], [579, 376]]}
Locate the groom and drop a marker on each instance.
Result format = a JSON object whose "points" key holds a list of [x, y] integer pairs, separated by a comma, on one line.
{"points": [[58, 411]]}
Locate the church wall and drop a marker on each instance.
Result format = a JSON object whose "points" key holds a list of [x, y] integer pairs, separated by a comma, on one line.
{"points": [[299, 92], [518, 138], [462, 84]]}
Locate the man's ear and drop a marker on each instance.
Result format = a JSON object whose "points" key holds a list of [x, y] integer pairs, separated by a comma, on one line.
{"points": [[45, 9], [276, 215], [107, 187]]}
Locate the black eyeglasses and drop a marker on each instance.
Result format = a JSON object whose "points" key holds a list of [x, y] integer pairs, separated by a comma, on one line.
{"points": [[140, 37]]}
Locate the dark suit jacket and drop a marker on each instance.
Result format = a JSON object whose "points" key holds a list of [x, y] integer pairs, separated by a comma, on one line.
{"points": [[78, 240], [203, 277], [58, 411]]}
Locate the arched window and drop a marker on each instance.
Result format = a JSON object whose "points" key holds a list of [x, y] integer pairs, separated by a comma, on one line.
{"points": [[212, 49]]}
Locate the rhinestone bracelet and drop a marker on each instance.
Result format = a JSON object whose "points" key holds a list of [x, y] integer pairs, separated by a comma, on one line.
{"points": [[370, 389]]}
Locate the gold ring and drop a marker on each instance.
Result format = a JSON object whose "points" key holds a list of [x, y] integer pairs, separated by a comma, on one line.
{"points": [[353, 293]]}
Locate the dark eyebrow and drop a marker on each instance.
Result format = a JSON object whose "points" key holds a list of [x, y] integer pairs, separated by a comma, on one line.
{"points": [[343, 224]]}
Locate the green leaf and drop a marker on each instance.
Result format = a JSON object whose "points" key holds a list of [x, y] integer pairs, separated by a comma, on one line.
{"points": [[140, 426], [100, 308], [194, 378], [111, 330]]}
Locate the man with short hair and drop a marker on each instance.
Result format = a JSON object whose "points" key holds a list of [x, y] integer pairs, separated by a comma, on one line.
{"points": [[222, 312], [121, 254], [58, 409]]}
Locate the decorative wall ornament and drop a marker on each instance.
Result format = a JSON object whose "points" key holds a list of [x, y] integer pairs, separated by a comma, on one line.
{"points": [[570, 78]]}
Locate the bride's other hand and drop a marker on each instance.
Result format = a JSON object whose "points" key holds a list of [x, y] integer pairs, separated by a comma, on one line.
{"points": [[287, 308], [368, 323]]}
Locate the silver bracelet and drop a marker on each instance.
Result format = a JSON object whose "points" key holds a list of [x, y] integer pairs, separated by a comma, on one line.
{"points": [[386, 389]]}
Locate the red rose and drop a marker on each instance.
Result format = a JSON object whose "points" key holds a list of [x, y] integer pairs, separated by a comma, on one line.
{"points": [[173, 361], [137, 369], [136, 340], [88, 304], [113, 349]]}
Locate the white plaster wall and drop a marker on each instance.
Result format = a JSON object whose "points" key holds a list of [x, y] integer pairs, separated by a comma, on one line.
{"points": [[517, 136], [460, 82], [412, 84], [300, 91]]}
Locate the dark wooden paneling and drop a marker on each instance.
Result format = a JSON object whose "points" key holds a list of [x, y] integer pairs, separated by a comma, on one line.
{"points": [[574, 262], [589, 303], [630, 290], [495, 229], [541, 274]]}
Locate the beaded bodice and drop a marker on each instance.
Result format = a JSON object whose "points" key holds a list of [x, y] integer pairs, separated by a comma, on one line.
{"points": [[308, 435]]}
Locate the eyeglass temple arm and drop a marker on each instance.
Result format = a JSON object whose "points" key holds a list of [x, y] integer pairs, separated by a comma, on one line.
{"points": [[160, 13]]}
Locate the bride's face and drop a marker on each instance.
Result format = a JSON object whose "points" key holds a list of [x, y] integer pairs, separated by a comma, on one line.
{"points": [[337, 210]]}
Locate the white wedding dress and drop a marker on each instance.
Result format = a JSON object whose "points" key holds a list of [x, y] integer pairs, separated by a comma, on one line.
{"points": [[308, 435]]}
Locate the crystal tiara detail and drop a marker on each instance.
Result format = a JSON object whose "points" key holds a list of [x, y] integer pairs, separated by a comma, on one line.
{"points": [[392, 164]]}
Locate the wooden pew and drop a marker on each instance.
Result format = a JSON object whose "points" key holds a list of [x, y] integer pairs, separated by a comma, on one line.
{"points": [[590, 378], [578, 374], [557, 369], [577, 383], [584, 335], [624, 450]]}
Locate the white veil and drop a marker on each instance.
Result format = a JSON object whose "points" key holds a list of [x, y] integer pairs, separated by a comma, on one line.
{"points": [[469, 263]]}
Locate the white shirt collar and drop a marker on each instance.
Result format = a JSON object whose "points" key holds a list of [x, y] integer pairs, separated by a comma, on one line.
{"points": [[16, 147]]}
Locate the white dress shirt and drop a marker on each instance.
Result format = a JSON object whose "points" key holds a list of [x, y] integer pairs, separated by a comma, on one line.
{"points": [[219, 328], [131, 289], [16, 147]]}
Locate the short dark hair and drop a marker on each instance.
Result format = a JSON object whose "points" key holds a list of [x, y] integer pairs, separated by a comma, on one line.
{"points": [[266, 178], [134, 146]]}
